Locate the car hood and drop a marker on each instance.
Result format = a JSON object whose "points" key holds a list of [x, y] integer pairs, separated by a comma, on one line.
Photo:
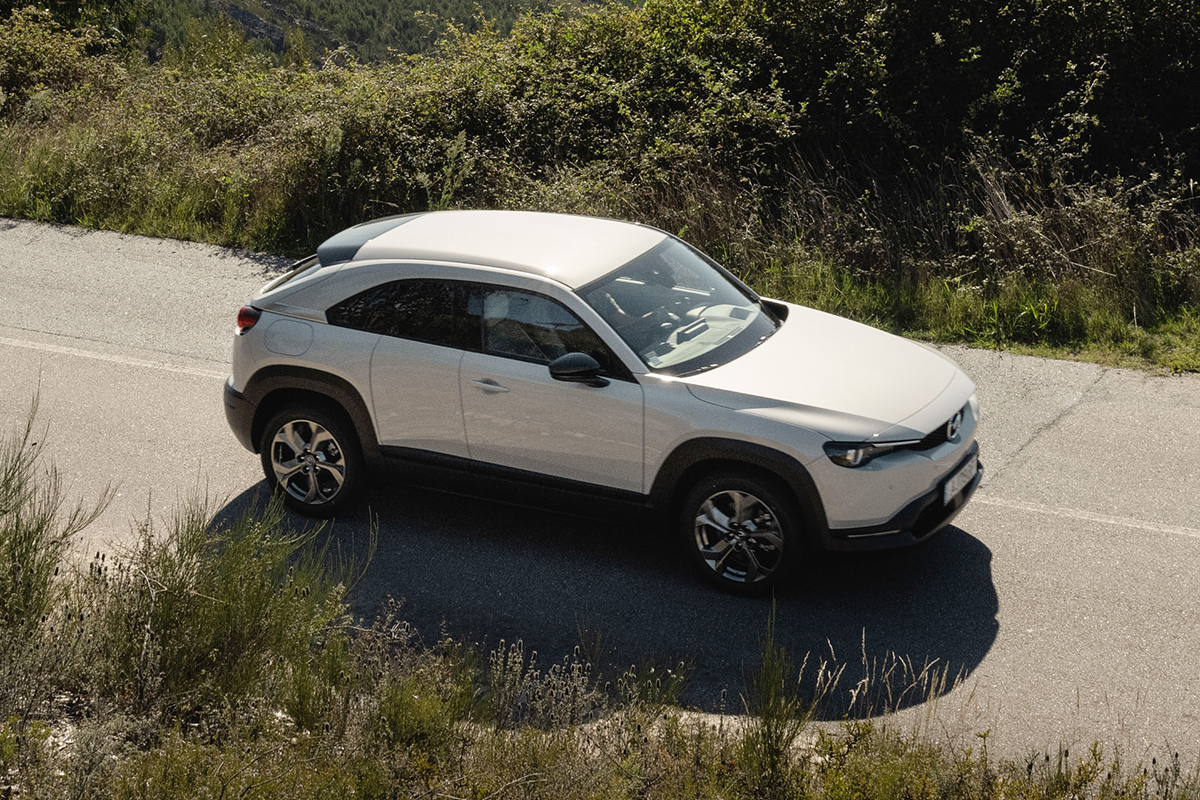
{"points": [[841, 378]]}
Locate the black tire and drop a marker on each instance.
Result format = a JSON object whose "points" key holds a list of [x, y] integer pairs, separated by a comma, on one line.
{"points": [[746, 550], [319, 449]]}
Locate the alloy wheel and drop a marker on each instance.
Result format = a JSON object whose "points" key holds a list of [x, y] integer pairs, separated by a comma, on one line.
{"points": [[739, 537], [308, 462]]}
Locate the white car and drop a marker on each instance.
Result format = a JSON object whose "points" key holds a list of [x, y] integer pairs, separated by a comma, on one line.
{"points": [[595, 359]]}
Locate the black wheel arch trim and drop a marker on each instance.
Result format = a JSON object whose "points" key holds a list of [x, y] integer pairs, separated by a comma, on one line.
{"points": [[301, 380], [697, 456]]}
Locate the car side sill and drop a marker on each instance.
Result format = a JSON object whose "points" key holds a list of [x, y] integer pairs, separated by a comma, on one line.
{"points": [[508, 484]]}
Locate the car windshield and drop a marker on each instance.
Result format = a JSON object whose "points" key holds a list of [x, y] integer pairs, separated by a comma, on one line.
{"points": [[679, 312]]}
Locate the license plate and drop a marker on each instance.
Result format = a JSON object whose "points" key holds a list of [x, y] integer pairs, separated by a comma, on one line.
{"points": [[960, 479]]}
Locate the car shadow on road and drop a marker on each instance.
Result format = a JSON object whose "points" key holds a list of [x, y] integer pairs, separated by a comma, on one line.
{"points": [[483, 571]]}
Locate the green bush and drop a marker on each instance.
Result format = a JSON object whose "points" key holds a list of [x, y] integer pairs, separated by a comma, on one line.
{"points": [[206, 615], [39, 58], [777, 719]]}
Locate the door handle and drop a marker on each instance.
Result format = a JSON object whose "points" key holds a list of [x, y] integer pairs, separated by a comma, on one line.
{"points": [[490, 386]]}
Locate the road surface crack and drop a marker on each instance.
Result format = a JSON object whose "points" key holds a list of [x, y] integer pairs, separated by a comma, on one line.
{"points": [[1016, 459]]}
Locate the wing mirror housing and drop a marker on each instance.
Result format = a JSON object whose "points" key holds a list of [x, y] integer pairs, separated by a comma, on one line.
{"points": [[577, 368]]}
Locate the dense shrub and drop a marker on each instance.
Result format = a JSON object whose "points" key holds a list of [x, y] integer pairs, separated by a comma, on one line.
{"points": [[207, 614], [40, 59]]}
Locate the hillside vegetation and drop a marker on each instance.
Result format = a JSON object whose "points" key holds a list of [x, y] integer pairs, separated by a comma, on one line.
{"points": [[1013, 173], [370, 29]]}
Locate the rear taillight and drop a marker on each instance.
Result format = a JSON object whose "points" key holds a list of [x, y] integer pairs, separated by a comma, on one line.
{"points": [[247, 316]]}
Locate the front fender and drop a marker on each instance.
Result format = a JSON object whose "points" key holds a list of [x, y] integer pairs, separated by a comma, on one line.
{"points": [[694, 457]]}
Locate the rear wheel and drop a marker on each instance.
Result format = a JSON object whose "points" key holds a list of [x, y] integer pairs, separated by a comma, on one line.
{"points": [[741, 530], [311, 456]]}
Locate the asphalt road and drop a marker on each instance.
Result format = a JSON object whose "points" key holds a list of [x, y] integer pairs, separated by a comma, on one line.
{"points": [[1066, 598]]}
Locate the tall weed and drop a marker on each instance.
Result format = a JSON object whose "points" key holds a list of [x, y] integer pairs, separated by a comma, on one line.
{"points": [[38, 526], [205, 616]]}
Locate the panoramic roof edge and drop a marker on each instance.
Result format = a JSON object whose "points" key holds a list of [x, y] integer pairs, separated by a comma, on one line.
{"points": [[342, 247]]}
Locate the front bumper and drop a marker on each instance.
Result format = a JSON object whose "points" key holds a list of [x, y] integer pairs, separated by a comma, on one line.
{"points": [[239, 412], [915, 523]]}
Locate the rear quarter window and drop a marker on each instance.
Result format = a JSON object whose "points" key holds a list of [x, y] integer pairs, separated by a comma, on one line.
{"points": [[420, 310]]}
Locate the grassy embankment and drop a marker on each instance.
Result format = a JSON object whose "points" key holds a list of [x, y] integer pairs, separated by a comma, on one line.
{"points": [[219, 661], [1019, 175]]}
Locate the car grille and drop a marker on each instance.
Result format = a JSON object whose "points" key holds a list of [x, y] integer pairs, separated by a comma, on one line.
{"points": [[938, 436]]}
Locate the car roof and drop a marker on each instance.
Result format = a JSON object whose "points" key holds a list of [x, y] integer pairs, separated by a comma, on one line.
{"points": [[569, 249]]}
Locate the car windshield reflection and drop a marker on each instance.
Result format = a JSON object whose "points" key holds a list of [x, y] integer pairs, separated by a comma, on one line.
{"points": [[678, 312]]}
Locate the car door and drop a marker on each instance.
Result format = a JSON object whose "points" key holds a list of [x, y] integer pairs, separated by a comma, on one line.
{"points": [[415, 363], [517, 416]]}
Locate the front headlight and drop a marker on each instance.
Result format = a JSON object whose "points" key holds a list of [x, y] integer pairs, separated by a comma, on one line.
{"points": [[849, 454], [974, 404]]}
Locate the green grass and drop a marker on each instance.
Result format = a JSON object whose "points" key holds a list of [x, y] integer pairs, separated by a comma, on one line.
{"points": [[1072, 321]]}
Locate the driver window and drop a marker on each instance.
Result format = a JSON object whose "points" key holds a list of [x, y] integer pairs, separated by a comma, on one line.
{"points": [[517, 324]]}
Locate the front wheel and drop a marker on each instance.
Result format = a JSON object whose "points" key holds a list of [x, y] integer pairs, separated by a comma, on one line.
{"points": [[312, 458], [742, 531]]}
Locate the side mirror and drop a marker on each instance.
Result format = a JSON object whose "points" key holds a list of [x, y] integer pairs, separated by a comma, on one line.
{"points": [[577, 368]]}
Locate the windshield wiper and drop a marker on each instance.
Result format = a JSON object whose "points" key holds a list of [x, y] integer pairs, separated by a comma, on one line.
{"points": [[697, 370]]}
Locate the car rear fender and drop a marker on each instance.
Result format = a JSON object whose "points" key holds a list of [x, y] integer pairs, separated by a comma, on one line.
{"points": [[275, 387]]}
